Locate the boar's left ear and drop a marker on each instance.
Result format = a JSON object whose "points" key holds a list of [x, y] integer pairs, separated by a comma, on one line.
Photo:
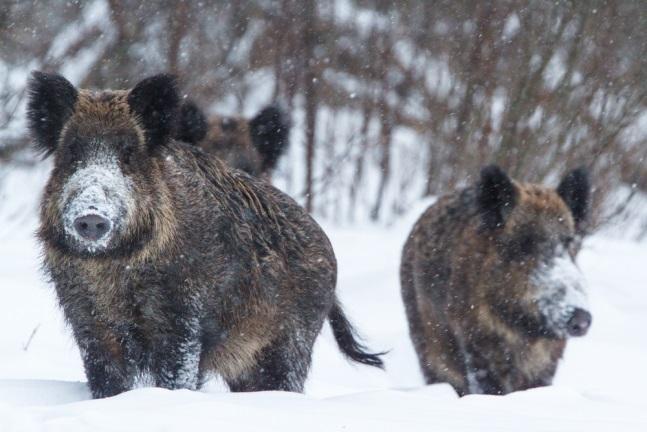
{"points": [[155, 100], [50, 104], [497, 196], [575, 190], [192, 125]]}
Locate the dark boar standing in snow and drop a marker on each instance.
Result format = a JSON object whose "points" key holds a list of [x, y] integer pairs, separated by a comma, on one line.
{"points": [[490, 286], [252, 145], [168, 265]]}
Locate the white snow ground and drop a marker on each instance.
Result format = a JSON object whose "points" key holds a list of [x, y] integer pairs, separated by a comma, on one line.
{"points": [[600, 384]]}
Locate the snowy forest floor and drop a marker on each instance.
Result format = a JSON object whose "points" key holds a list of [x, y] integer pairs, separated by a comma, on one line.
{"points": [[600, 384]]}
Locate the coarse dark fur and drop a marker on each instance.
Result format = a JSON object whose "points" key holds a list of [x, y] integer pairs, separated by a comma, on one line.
{"points": [[192, 125], [253, 145], [211, 272], [466, 281]]}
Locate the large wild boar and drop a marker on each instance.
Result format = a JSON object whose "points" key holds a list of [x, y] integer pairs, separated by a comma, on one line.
{"points": [[168, 265], [490, 284]]}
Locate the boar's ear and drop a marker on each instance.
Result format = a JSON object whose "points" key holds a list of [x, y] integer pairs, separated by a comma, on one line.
{"points": [[575, 190], [51, 100], [496, 197], [155, 100], [270, 131], [192, 124]]}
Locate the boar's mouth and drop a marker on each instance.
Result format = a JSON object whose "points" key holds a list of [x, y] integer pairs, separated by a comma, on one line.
{"points": [[560, 295]]}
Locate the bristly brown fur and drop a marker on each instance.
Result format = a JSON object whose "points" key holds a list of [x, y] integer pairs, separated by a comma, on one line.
{"points": [[467, 291], [216, 272]]}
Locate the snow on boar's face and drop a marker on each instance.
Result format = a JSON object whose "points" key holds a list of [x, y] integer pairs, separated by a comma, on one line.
{"points": [[535, 235], [105, 184]]}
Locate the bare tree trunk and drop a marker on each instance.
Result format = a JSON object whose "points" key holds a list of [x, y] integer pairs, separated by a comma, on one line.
{"points": [[360, 160], [178, 23], [386, 134], [310, 90], [482, 37]]}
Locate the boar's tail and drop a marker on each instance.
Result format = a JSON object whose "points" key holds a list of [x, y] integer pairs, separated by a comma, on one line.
{"points": [[270, 131], [346, 337], [192, 124]]}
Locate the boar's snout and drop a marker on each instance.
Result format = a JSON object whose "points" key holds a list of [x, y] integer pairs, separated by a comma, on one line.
{"points": [[91, 227], [579, 322]]}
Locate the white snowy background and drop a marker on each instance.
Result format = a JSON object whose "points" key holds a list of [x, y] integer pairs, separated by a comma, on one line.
{"points": [[600, 384]]}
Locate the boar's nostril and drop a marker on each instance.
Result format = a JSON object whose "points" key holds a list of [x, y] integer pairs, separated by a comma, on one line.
{"points": [[579, 322], [91, 227]]}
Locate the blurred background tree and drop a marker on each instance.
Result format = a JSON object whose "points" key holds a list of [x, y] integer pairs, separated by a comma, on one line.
{"points": [[391, 100]]}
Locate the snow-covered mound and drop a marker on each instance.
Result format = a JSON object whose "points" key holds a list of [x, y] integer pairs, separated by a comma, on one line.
{"points": [[600, 384]]}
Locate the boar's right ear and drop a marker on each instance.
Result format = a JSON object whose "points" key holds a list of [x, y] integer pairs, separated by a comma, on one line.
{"points": [[496, 195], [155, 101], [51, 100]]}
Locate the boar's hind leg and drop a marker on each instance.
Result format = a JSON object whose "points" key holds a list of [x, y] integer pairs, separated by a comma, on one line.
{"points": [[283, 365]]}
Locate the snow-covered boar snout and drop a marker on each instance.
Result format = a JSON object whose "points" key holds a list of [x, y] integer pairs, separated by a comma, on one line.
{"points": [[561, 296], [95, 204]]}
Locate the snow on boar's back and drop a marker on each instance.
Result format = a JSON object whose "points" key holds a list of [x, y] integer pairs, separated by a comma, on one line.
{"points": [[490, 285], [168, 265]]}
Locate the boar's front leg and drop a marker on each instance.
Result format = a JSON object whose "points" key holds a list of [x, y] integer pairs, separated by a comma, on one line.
{"points": [[176, 357], [487, 369], [101, 344], [104, 362]]}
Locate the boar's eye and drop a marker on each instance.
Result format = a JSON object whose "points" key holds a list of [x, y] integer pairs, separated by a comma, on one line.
{"points": [[527, 244], [73, 152], [127, 148]]}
